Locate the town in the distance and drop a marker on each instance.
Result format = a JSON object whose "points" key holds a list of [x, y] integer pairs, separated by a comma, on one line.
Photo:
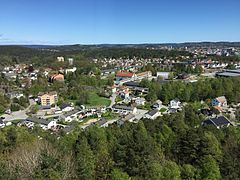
{"points": [[64, 88]]}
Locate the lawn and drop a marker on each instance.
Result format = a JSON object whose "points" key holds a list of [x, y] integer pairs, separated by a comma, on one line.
{"points": [[95, 100], [162, 110]]}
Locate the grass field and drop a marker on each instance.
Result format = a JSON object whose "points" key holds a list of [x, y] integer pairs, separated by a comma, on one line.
{"points": [[95, 100]]}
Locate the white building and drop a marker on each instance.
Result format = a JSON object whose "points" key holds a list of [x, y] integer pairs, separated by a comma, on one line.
{"points": [[44, 124], [163, 75], [175, 104], [152, 114], [70, 61], [60, 59], [72, 70], [124, 109]]}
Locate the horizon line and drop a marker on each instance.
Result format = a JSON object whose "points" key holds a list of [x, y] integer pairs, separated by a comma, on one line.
{"points": [[97, 44]]}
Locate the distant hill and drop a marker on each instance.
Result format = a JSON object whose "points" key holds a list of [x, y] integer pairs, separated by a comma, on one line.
{"points": [[160, 45]]}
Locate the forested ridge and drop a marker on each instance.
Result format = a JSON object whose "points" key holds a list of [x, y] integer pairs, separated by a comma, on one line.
{"points": [[172, 147]]}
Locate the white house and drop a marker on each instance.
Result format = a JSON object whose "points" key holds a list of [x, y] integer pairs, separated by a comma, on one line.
{"points": [[72, 70], [44, 124], [2, 124], [152, 114], [66, 108], [175, 104], [163, 75], [60, 59], [140, 101], [124, 109], [157, 105], [71, 115]]}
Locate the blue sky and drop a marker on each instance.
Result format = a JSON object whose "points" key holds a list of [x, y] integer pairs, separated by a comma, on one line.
{"points": [[118, 21]]}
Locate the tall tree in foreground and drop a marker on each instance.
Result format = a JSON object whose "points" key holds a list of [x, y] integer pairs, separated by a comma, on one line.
{"points": [[84, 160]]}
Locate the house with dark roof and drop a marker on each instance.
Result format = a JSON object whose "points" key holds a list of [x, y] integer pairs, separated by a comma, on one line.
{"points": [[68, 129], [2, 124], [218, 122], [153, 114], [43, 123], [66, 107], [71, 115], [128, 118], [124, 109], [102, 123]]}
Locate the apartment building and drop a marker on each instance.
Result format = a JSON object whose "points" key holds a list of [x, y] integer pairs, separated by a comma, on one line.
{"points": [[48, 98]]}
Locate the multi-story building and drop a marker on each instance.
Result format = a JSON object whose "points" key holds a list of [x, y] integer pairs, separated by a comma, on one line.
{"points": [[48, 98]]}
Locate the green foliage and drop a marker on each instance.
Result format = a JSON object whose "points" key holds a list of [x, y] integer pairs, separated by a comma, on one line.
{"points": [[188, 172], [192, 92], [210, 169], [84, 160], [117, 174]]}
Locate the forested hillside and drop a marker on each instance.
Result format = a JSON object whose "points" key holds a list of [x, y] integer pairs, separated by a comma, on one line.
{"points": [[172, 147]]}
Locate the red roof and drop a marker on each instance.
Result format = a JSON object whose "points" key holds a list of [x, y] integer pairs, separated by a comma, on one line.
{"points": [[124, 74]]}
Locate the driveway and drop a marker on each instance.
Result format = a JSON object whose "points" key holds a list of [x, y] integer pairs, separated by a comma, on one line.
{"points": [[112, 98]]}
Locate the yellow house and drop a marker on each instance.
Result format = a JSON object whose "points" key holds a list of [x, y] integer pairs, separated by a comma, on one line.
{"points": [[48, 98]]}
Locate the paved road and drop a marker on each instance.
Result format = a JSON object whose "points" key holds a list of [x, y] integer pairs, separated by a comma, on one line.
{"points": [[18, 114], [112, 98]]}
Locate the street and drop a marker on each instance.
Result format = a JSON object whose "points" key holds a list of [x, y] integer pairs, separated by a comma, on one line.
{"points": [[18, 114]]}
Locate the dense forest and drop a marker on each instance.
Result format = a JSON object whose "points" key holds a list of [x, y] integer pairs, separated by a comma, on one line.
{"points": [[19, 54], [205, 89], [172, 147]]}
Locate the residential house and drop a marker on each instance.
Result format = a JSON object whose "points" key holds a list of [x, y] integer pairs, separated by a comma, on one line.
{"points": [[66, 107], [71, 115], [44, 124], [152, 114], [108, 72], [60, 59], [139, 101], [175, 104], [102, 123], [218, 122], [157, 105], [132, 84], [128, 118], [125, 75], [2, 124], [70, 61], [219, 103], [144, 75], [48, 98], [56, 77], [164, 75], [72, 70], [124, 109], [68, 129]]}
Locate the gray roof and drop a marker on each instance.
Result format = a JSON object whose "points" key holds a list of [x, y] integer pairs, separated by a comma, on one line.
{"points": [[152, 112], [132, 84], [70, 113], [128, 117], [233, 71], [38, 120], [228, 74], [68, 129], [122, 107], [101, 122]]}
